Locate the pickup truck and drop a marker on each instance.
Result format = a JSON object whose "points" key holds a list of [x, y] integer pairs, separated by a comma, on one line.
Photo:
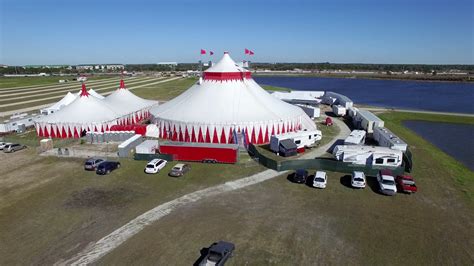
{"points": [[406, 184]]}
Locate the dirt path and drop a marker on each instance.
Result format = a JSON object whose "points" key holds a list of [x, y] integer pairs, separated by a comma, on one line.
{"points": [[32, 108], [95, 251]]}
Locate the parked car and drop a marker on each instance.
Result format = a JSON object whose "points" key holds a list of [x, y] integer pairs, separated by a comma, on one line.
{"points": [[92, 163], [406, 184], [154, 166], [218, 253], [106, 167], [13, 147], [386, 182], [179, 170], [320, 179], [300, 176], [358, 179], [3, 144]]}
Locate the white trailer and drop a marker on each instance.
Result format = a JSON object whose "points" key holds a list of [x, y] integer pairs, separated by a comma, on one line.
{"points": [[386, 138], [147, 147], [311, 111], [352, 111], [339, 110], [336, 98], [367, 120], [17, 122], [301, 97], [357, 137], [302, 139], [368, 155]]}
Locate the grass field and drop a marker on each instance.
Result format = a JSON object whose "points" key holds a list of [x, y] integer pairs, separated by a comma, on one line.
{"points": [[281, 223], [7, 82], [50, 209]]}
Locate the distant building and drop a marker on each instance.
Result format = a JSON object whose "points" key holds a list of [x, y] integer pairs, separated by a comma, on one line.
{"points": [[100, 67], [168, 63]]}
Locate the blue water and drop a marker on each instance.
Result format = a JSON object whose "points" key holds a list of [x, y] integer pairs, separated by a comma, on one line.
{"points": [[454, 139], [416, 95]]}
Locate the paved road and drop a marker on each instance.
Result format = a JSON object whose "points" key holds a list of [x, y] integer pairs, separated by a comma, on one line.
{"points": [[93, 252], [32, 87], [377, 109], [34, 108]]}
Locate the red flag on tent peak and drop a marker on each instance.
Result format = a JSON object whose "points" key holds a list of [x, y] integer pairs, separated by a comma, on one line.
{"points": [[251, 52], [247, 51], [211, 52], [203, 51]]}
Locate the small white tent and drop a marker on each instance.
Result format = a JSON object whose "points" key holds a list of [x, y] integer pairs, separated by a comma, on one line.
{"points": [[67, 99]]}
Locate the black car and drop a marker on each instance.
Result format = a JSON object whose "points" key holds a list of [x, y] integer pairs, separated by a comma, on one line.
{"points": [[218, 253], [92, 163], [300, 176], [106, 167]]}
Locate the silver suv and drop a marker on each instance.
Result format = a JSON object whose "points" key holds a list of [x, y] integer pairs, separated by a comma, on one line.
{"points": [[13, 147]]}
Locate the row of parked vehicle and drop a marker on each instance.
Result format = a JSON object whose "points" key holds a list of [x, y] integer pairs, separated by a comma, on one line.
{"points": [[388, 183], [101, 166], [11, 147], [156, 165], [104, 167]]}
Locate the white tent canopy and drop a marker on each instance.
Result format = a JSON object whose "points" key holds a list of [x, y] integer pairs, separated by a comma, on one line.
{"points": [[88, 113], [227, 100], [124, 102], [66, 100]]}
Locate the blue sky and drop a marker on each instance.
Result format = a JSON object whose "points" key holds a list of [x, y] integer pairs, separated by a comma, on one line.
{"points": [[103, 31]]}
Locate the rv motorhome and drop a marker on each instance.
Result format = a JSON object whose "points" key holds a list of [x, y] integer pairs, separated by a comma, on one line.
{"points": [[368, 155], [339, 110], [357, 137], [367, 120], [301, 138], [386, 138]]}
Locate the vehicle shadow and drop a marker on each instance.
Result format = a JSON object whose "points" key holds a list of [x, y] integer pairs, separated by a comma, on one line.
{"points": [[346, 181], [309, 181], [203, 252], [373, 184]]}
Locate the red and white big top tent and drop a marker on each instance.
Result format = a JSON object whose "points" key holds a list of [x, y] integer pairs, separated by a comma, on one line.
{"points": [[92, 114], [227, 100]]}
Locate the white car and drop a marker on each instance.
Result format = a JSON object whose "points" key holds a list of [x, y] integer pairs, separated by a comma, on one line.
{"points": [[320, 179], [154, 166], [358, 179], [3, 144], [387, 182]]}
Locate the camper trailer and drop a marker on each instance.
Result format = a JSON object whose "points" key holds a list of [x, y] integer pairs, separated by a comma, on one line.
{"points": [[386, 138], [331, 98], [311, 111], [357, 137], [367, 120], [299, 97], [339, 110], [18, 122], [301, 138], [368, 155], [352, 111]]}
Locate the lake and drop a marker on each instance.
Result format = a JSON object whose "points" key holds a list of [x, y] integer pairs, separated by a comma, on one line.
{"points": [[416, 95], [454, 139]]}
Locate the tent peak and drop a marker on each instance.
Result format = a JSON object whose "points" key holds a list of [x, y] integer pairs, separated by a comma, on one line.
{"points": [[122, 84], [84, 91]]}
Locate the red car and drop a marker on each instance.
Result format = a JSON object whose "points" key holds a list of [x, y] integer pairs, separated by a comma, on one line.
{"points": [[405, 183]]}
